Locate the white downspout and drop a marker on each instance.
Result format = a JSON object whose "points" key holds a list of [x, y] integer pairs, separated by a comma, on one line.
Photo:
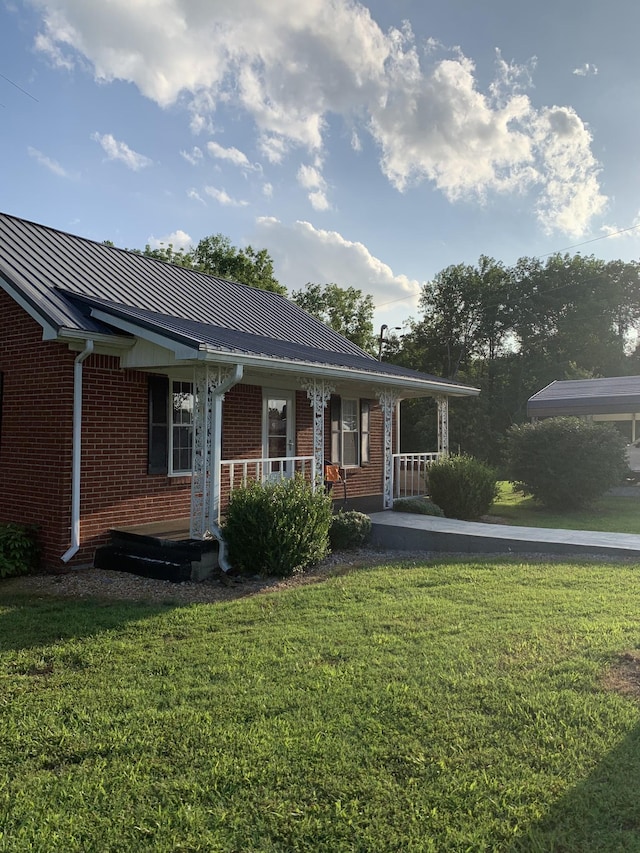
{"points": [[76, 450]]}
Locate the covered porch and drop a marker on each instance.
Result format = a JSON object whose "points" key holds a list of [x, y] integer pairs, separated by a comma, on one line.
{"points": [[214, 478]]}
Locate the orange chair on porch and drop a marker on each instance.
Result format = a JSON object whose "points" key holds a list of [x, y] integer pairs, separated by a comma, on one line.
{"points": [[333, 475]]}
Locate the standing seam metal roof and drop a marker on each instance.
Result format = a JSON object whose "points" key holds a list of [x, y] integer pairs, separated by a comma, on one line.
{"points": [[63, 276], [194, 334], [614, 395], [44, 262]]}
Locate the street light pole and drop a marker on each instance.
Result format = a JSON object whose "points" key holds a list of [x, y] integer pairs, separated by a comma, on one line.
{"points": [[383, 328]]}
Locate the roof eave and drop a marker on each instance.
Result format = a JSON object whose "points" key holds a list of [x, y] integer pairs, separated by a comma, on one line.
{"points": [[327, 371], [186, 349], [49, 328]]}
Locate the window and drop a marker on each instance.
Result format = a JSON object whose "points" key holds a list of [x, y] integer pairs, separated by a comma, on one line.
{"points": [[170, 426], [350, 446], [349, 455], [181, 427]]}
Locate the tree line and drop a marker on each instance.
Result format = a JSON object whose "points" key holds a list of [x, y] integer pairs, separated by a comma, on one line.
{"points": [[512, 330], [509, 330]]}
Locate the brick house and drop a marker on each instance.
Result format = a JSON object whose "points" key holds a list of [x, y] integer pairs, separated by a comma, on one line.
{"points": [[133, 391]]}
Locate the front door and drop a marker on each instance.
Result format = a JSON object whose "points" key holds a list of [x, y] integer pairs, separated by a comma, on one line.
{"points": [[278, 430]]}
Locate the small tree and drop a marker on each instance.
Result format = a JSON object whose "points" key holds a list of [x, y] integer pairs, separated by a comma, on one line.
{"points": [[463, 487], [565, 462], [277, 528]]}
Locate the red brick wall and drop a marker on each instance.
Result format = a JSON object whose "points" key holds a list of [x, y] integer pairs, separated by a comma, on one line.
{"points": [[36, 442], [35, 439], [116, 488]]}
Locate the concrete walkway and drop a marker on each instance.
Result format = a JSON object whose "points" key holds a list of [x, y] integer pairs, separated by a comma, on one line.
{"points": [[407, 531]]}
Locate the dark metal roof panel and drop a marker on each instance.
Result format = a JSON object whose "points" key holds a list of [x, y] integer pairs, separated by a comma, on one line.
{"points": [[610, 395], [44, 264], [194, 334]]}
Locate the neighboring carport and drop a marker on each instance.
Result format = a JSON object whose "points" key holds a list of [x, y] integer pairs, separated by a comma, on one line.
{"points": [[605, 399]]}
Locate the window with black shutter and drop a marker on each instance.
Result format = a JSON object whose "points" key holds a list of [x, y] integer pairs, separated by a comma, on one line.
{"points": [[158, 424], [350, 431]]}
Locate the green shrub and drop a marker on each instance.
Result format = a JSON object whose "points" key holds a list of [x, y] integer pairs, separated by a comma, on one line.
{"points": [[462, 486], [423, 506], [277, 528], [565, 463], [349, 529], [19, 553]]}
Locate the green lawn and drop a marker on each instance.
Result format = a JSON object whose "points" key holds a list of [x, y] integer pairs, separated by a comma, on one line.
{"points": [[442, 707], [610, 514]]}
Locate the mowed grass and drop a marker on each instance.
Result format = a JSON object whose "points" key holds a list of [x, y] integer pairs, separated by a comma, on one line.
{"points": [[417, 707], [609, 514]]}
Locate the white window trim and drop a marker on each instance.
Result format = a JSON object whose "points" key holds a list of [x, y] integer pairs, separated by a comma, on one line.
{"points": [[355, 464], [276, 393], [171, 472]]}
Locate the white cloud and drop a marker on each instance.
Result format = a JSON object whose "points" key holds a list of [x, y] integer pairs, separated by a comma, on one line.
{"points": [[178, 239], [223, 197], [304, 253], [310, 178], [50, 164], [292, 67], [194, 156], [617, 233], [231, 155], [267, 189], [57, 58], [319, 200], [586, 70], [570, 195], [194, 195], [120, 151]]}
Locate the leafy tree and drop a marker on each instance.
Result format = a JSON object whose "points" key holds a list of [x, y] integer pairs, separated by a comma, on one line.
{"points": [[465, 317], [217, 256], [576, 311], [345, 309], [512, 330], [178, 257]]}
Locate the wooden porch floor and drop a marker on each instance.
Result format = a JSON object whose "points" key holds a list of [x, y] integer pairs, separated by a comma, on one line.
{"points": [[176, 529]]}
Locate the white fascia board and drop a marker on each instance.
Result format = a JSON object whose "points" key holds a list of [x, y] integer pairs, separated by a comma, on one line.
{"points": [[181, 351], [49, 332], [104, 344], [412, 387]]}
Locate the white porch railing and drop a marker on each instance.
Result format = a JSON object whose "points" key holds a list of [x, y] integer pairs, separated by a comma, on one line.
{"points": [[410, 474], [239, 472]]}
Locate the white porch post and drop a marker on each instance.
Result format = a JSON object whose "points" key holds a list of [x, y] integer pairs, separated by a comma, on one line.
{"points": [[318, 393], [388, 399], [443, 425], [209, 386]]}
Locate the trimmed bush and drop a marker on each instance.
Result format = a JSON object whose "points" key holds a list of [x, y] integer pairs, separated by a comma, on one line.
{"points": [[277, 528], [423, 506], [19, 552], [349, 529], [462, 486], [565, 462]]}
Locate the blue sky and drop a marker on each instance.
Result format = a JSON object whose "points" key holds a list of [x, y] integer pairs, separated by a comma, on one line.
{"points": [[367, 144]]}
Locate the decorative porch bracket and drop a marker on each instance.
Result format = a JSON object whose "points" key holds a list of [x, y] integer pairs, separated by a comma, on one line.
{"points": [[318, 393], [443, 425], [388, 400], [209, 384]]}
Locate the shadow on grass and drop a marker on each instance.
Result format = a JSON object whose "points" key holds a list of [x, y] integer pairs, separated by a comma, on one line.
{"points": [[25, 623], [599, 815]]}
